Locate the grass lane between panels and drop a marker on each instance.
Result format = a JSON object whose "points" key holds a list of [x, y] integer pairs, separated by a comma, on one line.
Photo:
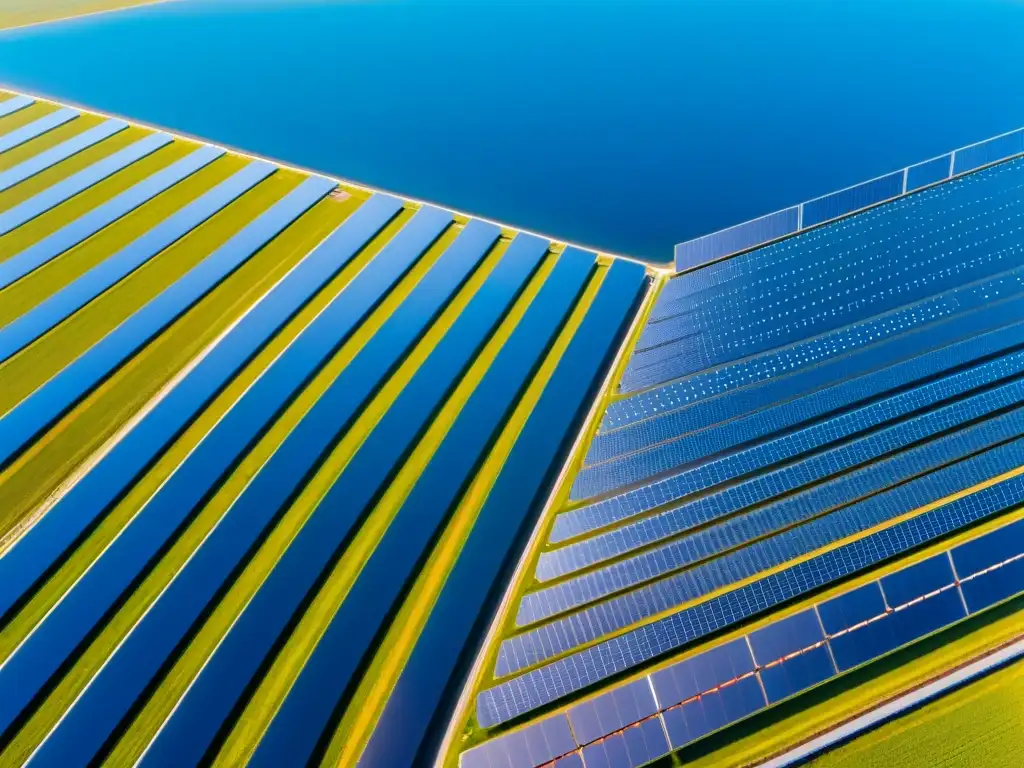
{"points": [[757, 577], [383, 672], [53, 456], [780, 728], [184, 669], [48, 140], [23, 117], [252, 280], [35, 287], [979, 724], [35, 230], [288, 663]]}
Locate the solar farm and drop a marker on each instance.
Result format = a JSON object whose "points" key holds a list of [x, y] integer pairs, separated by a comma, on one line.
{"points": [[297, 472]]}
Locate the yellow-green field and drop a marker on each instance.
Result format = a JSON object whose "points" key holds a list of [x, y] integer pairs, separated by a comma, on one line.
{"points": [[20, 13], [981, 724]]}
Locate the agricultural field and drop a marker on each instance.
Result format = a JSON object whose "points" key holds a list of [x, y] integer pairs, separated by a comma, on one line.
{"points": [[243, 405], [19, 13], [979, 724]]}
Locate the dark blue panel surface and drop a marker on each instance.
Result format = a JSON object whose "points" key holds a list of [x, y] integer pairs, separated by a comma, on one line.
{"points": [[994, 586], [307, 710], [130, 553], [721, 664], [967, 315], [254, 634], [852, 199], [686, 723], [990, 151], [612, 711], [863, 644], [534, 745], [17, 335], [74, 512], [785, 636], [852, 608], [142, 653], [103, 215], [305, 714], [985, 551], [20, 425], [87, 177], [919, 579], [62, 151], [13, 104], [645, 742], [572, 760], [694, 253], [615, 654], [702, 672], [807, 412], [418, 699], [797, 674], [675, 684], [759, 487], [741, 698], [609, 753], [803, 286], [36, 128], [925, 617], [928, 172]]}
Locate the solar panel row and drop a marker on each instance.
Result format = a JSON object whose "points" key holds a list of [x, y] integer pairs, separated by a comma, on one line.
{"points": [[811, 500], [794, 653], [782, 307], [650, 417], [789, 417], [713, 247], [259, 504]]}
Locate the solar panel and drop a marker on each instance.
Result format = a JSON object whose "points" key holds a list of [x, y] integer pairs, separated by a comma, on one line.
{"points": [[128, 556], [785, 636], [700, 693], [917, 580], [540, 743], [64, 150], [612, 711], [514, 497], [991, 549], [797, 674], [293, 734], [853, 198], [107, 213], [794, 444], [42, 545], [646, 642], [694, 253], [994, 586], [87, 177], [26, 329], [929, 172], [14, 103], [852, 608], [990, 151], [36, 128], [700, 401], [618, 612], [698, 446], [851, 269], [36, 412], [236, 533], [763, 520]]}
